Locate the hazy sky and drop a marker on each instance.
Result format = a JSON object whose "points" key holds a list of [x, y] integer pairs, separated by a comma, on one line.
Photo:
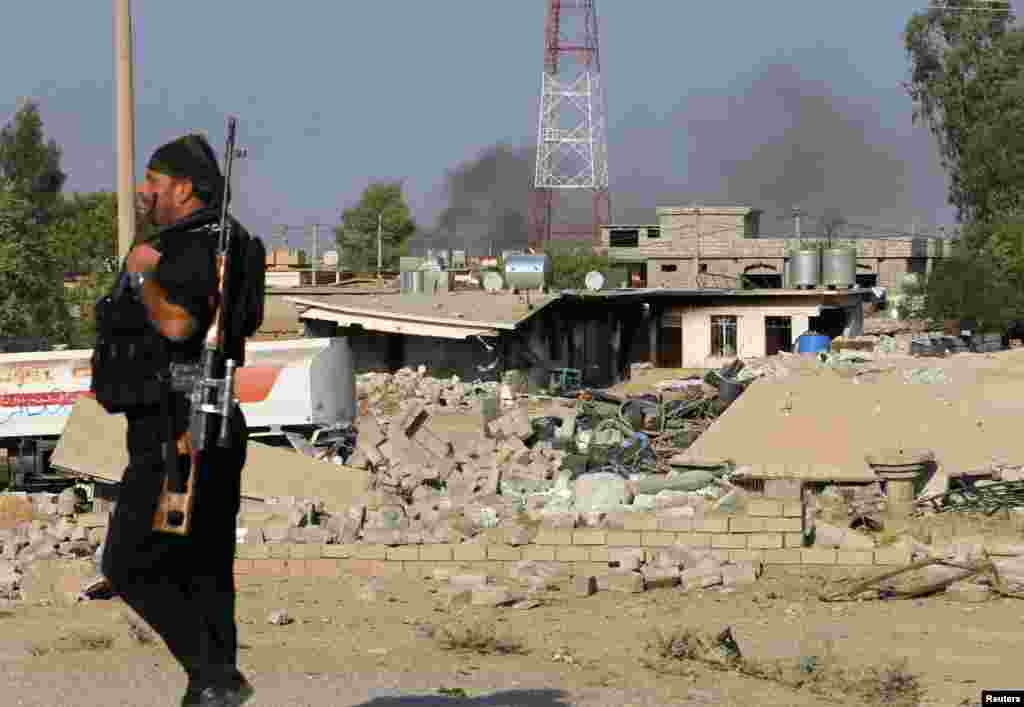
{"points": [[333, 93]]}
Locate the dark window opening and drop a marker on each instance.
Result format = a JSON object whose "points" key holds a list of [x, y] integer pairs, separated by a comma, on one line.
{"points": [[867, 280], [654, 232], [778, 335], [669, 268], [723, 336], [703, 267], [765, 281], [624, 238], [917, 266]]}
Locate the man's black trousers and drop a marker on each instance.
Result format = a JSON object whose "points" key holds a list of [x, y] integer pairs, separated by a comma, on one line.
{"points": [[183, 587]]}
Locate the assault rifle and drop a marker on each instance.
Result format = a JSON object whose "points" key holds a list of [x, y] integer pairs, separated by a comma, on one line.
{"points": [[212, 394]]}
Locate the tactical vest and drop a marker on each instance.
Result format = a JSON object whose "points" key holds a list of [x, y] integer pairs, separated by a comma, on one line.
{"points": [[131, 359]]}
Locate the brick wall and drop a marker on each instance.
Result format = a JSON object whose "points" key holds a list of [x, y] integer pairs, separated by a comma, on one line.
{"points": [[769, 530]]}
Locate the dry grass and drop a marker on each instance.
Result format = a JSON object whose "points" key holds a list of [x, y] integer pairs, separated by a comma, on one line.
{"points": [[682, 651], [480, 638]]}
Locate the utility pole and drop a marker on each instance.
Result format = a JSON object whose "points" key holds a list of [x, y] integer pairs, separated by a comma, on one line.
{"points": [[316, 248], [796, 223], [380, 243], [125, 128]]}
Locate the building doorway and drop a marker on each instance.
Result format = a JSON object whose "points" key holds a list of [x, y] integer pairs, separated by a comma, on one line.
{"points": [[778, 335], [670, 340]]}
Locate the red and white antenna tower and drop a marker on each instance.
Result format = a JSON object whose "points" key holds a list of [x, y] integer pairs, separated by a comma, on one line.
{"points": [[572, 145]]}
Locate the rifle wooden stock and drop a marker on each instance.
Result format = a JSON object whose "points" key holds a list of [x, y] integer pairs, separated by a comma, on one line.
{"points": [[177, 495]]}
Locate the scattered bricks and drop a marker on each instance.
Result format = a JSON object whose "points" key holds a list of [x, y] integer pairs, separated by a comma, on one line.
{"points": [[572, 553], [584, 586], [818, 556], [92, 520], [560, 520], [496, 595], [409, 420], [783, 557], [765, 541], [56, 581], [626, 558], [297, 568], [793, 539], [622, 581], [80, 533], [764, 508], [67, 500], [469, 552], [457, 597], [711, 525], [599, 554], [340, 552], [517, 535], [729, 541], [252, 552], [855, 557], [504, 553], [363, 551], [657, 539], [743, 524], [550, 536], [323, 568], [640, 521], [623, 538], [441, 552], [539, 553], [736, 556], [675, 524], [97, 535], [740, 573], [896, 555], [305, 551], [655, 577], [787, 489], [782, 525], [383, 536], [272, 568], [793, 509], [315, 535], [277, 532], [700, 578], [588, 537], [693, 539], [279, 551], [401, 554]]}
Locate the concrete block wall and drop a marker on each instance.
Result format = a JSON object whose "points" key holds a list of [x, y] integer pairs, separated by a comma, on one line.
{"points": [[769, 530]]}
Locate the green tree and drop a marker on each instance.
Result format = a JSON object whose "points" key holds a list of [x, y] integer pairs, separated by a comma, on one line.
{"points": [[30, 164], [570, 263], [357, 234], [967, 84], [83, 234], [31, 284]]}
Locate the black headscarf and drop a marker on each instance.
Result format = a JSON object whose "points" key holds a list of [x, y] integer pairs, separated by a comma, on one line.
{"points": [[191, 157]]}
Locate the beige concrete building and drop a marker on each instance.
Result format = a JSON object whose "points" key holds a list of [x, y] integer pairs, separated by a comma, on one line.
{"points": [[713, 246]]}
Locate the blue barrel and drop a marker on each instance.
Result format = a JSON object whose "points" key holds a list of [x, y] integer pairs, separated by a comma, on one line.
{"points": [[811, 342]]}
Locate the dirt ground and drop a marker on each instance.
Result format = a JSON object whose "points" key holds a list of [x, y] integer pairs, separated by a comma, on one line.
{"points": [[956, 650]]}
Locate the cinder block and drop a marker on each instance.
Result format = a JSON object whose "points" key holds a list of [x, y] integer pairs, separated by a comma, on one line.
{"points": [[553, 536], [504, 553], [599, 554], [589, 568], [252, 552], [539, 553], [297, 568], [279, 551], [745, 524], [272, 568], [623, 538], [584, 585], [793, 539], [340, 552], [793, 509], [242, 566], [324, 568], [694, 539], [622, 581], [782, 525], [817, 556], [789, 556], [640, 521], [892, 556], [572, 553], [588, 537], [765, 541], [628, 558], [404, 553], [855, 557], [370, 552], [657, 539], [746, 555], [729, 541], [711, 525], [306, 551], [785, 489], [675, 525], [441, 552], [764, 508], [655, 577], [470, 552]]}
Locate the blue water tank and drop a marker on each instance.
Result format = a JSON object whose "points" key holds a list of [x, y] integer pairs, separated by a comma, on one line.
{"points": [[812, 342]]}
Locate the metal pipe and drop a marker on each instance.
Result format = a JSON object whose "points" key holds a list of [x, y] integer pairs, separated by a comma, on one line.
{"points": [[125, 106]]}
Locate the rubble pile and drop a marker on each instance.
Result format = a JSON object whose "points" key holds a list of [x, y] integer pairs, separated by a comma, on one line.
{"points": [[383, 390]]}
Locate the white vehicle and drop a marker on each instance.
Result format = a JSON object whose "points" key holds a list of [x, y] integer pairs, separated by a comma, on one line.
{"points": [[302, 391]]}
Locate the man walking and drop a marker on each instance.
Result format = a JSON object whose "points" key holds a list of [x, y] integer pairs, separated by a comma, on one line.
{"points": [[159, 314]]}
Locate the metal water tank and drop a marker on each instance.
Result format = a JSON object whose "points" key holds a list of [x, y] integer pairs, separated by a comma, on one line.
{"points": [[787, 273], [948, 246], [839, 267], [408, 263], [527, 272], [805, 268], [411, 282]]}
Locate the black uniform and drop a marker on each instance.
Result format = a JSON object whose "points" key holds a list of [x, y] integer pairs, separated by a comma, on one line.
{"points": [[183, 587]]}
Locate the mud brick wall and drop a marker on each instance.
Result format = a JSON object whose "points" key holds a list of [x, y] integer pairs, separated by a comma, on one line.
{"points": [[768, 530]]}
